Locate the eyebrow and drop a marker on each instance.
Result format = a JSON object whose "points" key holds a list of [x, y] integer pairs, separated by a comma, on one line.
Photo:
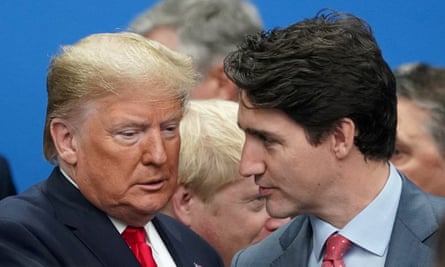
{"points": [[174, 116], [261, 133], [177, 115], [252, 131], [256, 132]]}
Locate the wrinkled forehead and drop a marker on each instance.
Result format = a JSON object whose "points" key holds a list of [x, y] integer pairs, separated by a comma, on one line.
{"points": [[137, 91], [149, 86]]}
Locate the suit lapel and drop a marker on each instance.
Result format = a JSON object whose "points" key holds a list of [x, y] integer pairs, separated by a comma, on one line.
{"points": [[404, 246], [91, 226], [172, 241], [107, 244], [295, 242], [415, 223]]}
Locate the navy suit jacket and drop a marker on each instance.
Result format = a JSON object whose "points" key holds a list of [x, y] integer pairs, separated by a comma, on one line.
{"points": [[412, 239], [7, 187], [52, 224]]}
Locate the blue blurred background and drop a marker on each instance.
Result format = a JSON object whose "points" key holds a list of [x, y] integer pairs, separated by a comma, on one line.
{"points": [[32, 31]]}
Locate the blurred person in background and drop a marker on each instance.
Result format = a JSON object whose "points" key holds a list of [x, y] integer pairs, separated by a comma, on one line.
{"points": [[213, 199], [207, 30], [420, 143], [7, 187], [440, 249]]}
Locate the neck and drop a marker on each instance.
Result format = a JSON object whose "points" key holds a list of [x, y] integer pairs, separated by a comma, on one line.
{"points": [[356, 188]]}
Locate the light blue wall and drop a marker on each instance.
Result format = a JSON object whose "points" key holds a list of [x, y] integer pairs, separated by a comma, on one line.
{"points": [[32, 31]]}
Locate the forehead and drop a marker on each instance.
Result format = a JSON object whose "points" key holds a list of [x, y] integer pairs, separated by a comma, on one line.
{"points": [[253, 117], [412, 123], [410, 115], [143, 94], [151, 86]]}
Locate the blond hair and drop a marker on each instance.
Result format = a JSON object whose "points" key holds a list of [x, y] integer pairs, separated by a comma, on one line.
{"points": [[99, 64], [211, 144]]}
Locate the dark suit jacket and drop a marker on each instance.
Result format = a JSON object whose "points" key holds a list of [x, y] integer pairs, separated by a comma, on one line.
{"points": [[7, 187], [412, 240], [52, 224]]}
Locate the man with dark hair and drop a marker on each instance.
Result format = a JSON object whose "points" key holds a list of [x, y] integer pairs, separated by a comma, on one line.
{"points": [[319, 110]]}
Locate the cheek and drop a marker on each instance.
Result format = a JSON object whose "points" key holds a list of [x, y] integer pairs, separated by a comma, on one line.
{"points": [[422, 166], [251, 227], [432, 157], [206, 226], [424, 159], [172, 184], [172, 150], [242, 232], [102, 153], [284, 171], [243, 223]]}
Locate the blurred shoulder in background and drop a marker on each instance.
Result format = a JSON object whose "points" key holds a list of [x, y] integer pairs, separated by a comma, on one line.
{"points": [[7, 186]]}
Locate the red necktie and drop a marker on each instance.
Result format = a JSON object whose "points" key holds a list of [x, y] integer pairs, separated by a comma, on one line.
{"points": [[336, 247], [135, 238]]}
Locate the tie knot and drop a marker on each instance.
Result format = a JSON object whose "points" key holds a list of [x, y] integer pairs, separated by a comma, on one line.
{"points": [[134, 235], [336, 247]]}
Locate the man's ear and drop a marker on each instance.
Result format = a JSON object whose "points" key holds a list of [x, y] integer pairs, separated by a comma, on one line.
{"points": [[182, 201], [64, 140], [227, 90], [343, 138]]}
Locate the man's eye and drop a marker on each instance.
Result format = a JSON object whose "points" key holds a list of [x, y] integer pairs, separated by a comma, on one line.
{"points": [[171, 128], [265, 139], [127, 136], [128, 133]]}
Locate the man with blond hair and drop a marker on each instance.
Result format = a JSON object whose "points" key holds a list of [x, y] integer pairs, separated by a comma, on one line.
{"points": [[213, 199], [115, 102]]}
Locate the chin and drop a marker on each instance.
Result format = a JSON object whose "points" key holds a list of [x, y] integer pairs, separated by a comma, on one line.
{"points": [[148, 206], [277, 211]]}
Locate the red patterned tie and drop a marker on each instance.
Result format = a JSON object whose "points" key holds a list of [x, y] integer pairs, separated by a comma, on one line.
{"points": [[336, 247], [135, 238]]}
